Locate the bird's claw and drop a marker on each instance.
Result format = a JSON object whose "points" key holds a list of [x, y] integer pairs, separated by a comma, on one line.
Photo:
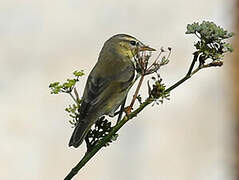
{"points": [[127, 110]]}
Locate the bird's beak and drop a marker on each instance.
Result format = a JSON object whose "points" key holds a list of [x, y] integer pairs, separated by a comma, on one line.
{"points": [[143, 47]]}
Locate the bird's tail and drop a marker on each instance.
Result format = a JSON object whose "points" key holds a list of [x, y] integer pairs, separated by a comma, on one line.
{"points": [[80, 132]]}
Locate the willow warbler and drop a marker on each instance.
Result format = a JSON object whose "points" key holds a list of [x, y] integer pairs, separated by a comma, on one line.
{"points": [[108, 83]]}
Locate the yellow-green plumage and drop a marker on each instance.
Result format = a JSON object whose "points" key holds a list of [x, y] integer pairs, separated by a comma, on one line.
{"points": [[108, 83]]}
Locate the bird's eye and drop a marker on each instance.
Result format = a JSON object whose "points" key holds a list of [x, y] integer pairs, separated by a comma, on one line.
{"points": [[133, 43]]}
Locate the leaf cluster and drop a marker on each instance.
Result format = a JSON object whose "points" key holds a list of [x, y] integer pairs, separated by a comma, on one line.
{"points": [[66, 87], [211, 42], [73, 111], [101, 128], [158, 91]]}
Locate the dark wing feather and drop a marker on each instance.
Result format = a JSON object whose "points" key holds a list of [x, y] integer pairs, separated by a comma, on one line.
{"points": [[99, 80], [94, 87]]}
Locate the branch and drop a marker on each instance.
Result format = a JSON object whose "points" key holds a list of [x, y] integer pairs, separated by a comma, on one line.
{"points": [[136, 93], [125, 119], [211, 46], [101, 144], [75, 100]]}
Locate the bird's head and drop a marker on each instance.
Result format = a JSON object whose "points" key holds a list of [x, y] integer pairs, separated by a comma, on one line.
{"points": [[125, 45]]}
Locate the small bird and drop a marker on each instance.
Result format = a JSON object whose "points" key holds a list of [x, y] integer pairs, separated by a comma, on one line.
{"points": [[108, 83]]}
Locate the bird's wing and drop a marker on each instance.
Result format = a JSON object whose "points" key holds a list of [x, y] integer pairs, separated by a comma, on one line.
{"points": [[100, 79], [94, 87]]}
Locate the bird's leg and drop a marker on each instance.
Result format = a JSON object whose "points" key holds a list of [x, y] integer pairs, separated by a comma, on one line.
{"points": [[127, 110], [113, 115], [121, 110]]}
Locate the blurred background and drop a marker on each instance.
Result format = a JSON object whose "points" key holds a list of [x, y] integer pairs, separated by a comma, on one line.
{"points": [[192, 136]]}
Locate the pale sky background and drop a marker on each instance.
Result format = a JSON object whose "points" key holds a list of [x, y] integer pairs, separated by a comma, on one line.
{"points": [[189, 137]]}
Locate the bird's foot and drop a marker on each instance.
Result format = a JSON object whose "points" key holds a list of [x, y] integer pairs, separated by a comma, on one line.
{"points": [[128, 110]]}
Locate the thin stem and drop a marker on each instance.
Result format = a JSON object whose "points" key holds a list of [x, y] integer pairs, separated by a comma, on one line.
{"points": [[169, 54], [136, 92], [198, 35], [101, 144], [178, 83], [73, 98], [213, 64], [193, 63], [90, 154], [155, 61], [76, 94], [121, 110], [187, 76], [133, 114]]}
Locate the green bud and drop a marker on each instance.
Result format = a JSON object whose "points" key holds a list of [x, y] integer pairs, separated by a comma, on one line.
{"points": [[78, 73]]}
